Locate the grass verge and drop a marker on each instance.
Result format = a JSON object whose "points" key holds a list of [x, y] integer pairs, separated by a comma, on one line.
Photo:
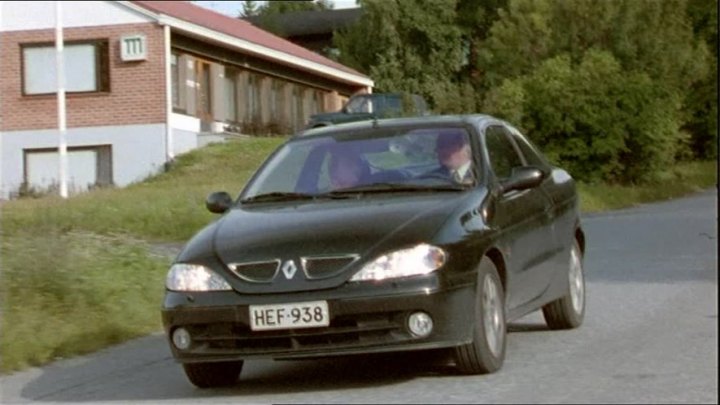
{"points": [[77, 274], [683, 179], [71, 293], [167, 207]]}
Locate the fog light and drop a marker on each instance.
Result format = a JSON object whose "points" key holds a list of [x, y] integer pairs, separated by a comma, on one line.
{"points": [[420, 324], [181, 338]]}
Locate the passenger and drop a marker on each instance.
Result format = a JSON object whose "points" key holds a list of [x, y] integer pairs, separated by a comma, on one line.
{"points": [[347, 169]]}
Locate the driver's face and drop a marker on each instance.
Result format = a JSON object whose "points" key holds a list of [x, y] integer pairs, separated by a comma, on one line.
{"points": [[453, 154]]}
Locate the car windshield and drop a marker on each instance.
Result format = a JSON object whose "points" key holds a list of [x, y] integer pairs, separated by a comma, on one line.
{"points": [[359, 104], [369, 161]]}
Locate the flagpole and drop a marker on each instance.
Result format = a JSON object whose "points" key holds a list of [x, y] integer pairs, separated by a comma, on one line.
{"points": [[2, 179], [62, 125]]}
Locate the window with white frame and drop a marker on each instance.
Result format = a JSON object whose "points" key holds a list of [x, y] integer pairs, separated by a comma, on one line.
{"points": [[88, 167], [85, 66]]}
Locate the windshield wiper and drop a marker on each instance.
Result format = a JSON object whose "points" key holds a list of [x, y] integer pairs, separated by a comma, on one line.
{"points": [[396, 187], [278, 196]]}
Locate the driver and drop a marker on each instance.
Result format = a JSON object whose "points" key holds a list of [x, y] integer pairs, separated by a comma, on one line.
{"points": [[453, 153]]}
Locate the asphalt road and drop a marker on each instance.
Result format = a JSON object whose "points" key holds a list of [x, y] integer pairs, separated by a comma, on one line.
{"points": [[650, 336]]}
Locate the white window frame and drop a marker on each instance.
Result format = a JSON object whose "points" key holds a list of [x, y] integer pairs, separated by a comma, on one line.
{"points": [[82, 64]]}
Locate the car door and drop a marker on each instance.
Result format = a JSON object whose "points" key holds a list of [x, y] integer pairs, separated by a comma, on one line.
{"points": [[558, 188], [524, 221]]}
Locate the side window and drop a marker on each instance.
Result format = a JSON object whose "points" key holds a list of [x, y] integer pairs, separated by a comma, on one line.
{"points": [[532, 157], [503, 155]]}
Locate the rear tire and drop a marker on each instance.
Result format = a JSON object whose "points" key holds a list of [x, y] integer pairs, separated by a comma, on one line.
{"points": [[568, 312], [486, 353], [209, 375]]}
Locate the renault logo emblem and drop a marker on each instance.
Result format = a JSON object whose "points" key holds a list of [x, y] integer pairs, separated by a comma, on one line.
{"points": [[289, 269]]}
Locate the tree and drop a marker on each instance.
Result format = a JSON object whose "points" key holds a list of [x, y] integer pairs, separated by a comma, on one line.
{"points": [[593, 118], [610, 88], [407, 45], [280, 6], [657, 58], [268, 12], [643, 35], [519, 41], [701, 102], [249, 9], [475, 19]]}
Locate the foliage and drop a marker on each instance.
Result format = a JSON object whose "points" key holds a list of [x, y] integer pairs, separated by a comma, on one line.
{"points": [[616, 89], [701, 102], [592, 118], [282, 6], [406, 45], [250, 8], [69, 293], [268, 11], [684, 178], [475, 18], [614, 117]]}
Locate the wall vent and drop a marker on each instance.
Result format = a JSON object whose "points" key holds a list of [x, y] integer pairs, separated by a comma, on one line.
{"points": [[133, 47]]}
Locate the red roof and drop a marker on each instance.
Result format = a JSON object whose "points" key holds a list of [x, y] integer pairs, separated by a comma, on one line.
{"points": [[186, 11]]}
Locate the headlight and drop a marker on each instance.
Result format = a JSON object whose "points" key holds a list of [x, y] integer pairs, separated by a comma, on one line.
{"points": [[193, 277], [421, 259]]}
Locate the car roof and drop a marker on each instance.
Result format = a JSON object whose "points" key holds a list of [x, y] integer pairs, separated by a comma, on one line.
{"points": [[461, 119]]}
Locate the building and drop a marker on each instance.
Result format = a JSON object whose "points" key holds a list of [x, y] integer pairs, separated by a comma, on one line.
{"points": [[146, 81]]}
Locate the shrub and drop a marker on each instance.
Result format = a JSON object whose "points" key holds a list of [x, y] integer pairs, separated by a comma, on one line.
{"points": [[598, 121]]}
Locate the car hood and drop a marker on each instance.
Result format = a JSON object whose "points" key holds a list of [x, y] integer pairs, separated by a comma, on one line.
{"points": [[361, 228]]}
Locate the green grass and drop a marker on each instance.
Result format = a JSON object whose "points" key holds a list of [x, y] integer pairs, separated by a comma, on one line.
{"points": [[683, 179], [77, 274], [71, 293], [169, 206]]}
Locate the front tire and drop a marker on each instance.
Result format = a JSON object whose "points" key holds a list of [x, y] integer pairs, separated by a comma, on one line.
{"points": [[486, 353], [568, 312], [209, 375]]}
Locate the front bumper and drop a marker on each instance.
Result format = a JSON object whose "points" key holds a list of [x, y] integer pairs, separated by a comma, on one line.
{"points": [[364, 318]]}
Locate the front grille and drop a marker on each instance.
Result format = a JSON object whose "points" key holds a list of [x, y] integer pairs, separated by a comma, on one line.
{"points": [[256, 272], [342, 332], [326, 266]]}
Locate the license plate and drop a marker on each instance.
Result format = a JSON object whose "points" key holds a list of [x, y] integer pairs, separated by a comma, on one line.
{"points": [[289, 316]]}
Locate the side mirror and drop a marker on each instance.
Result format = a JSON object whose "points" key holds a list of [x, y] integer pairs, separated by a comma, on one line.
{"points": [[218, 202], [523, 178]]}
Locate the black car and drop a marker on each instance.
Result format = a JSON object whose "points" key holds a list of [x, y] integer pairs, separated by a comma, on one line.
{"points": [[409, 255]]}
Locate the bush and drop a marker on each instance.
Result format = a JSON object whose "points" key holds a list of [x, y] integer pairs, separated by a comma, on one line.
{"points": [[598, 121]]}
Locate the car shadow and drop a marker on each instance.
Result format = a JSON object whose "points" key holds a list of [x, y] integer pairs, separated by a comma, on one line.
{"points": [[522, 327], [144, 369], [346, 372]]}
